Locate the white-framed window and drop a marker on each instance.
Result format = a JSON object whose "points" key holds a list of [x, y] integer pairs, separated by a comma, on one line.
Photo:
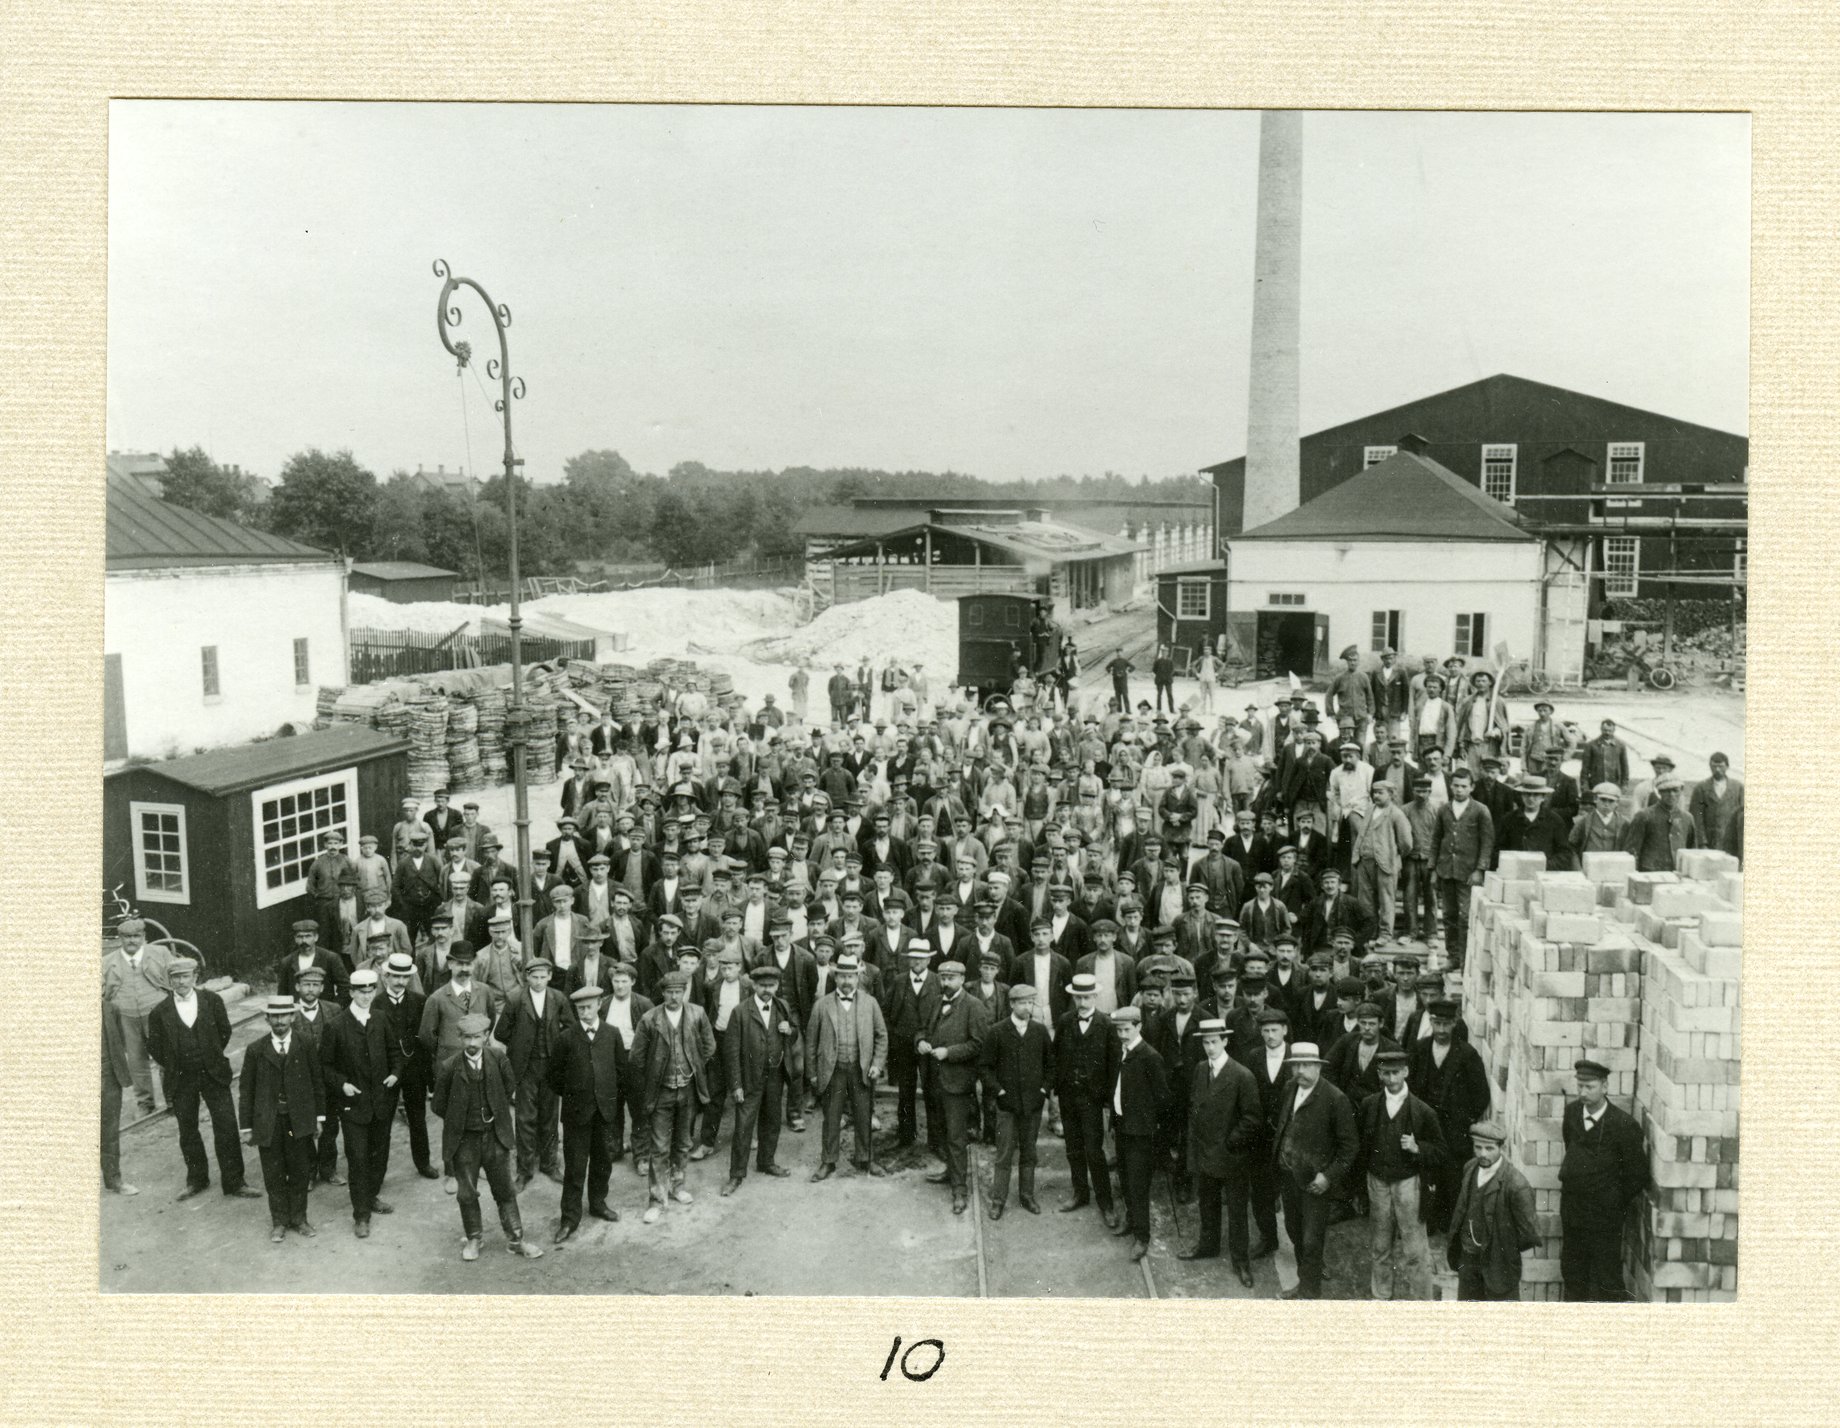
{"points": [[1498, 463], [1192, 600], [1741, 562], [1279, 597], [1472, 639], [160, 870], [1387, 628], [1624, 462], [1622, 566], [213, 689], [1374, 455], [290, 818], [303, 665]]}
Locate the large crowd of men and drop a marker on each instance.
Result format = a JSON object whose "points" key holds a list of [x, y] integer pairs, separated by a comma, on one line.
{"points": [[1228, 943]]}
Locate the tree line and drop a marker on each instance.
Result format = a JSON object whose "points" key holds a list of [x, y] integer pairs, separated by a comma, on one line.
{"points": [[602, 512]]}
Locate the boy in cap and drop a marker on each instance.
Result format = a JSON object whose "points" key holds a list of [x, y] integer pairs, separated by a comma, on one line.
{"points": [[282, 1105], [585, 1075], [669, 1058], [363, 1061], [474, 1092], [1400, 1137], [1494, 1222], [1604, 1169], [1018, 1062], [1225, 1121], [187, 1035], [1316, 1145]]}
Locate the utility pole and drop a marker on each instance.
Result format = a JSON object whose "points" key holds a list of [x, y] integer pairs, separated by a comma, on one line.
{"points": [[517, 730]]}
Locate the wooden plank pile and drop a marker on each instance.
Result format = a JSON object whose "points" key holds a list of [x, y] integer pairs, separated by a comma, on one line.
{"points": [[463, 766], [427, 730]]}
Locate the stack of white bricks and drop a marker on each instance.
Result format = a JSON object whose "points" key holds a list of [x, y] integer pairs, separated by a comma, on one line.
{"points": [[1548, 978], [1686, 1246]]}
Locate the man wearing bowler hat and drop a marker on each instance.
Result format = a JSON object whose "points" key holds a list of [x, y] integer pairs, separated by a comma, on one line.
{"points": [[282, 1105], [761, 1047], [473, 1095], [1494, 1223], [584, 1073], [1225, 1122], [1316, 1143], [1605, 1168]]}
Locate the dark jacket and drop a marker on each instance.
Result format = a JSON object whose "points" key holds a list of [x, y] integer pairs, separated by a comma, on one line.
{"points": [[405, 1022], [337, 979], [1655, 835], [1462, 846], [1272, 1095], [1458, 1090], [453, 1096], [586, 1075], [1086, 1066], [961, 1030], [516, 1025], [1416, 1119], [1060, 971], [1603, 1170], [212, 1030], [753, 1052], [417, 890], [907, 1015], [1226, 1119], [1320, 1139], [1342, 1065], [267, 1080], [649, 1056], [1320, 921], [1020, 1065], [1143, 1089], [364, 1055], [1505, 1206]]}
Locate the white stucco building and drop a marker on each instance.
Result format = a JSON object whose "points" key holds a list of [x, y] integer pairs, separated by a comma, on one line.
{"points": [[213, 633], [1406, 554]]}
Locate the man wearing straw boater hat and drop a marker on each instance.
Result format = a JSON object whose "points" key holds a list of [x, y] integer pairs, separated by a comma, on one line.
{"points": [[187, 1035], [282, 1105], [1316, 1145], [363, 1058]]}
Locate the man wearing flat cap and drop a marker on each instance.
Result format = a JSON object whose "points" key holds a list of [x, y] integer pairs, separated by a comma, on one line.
{"points": [[282, 1105], [1604, 1170], [1316, 1141], [417, 884], [1018, 1061], [1400, 1137], [1494, 1223], [1447, 1073], [363, 1062], [314, 1019], [307, 952], [187, 1036], [1657, 833], [950, 1049], [530, 1026], [584, 1074], [474, 1092], [669, 1058], [846, 1048]]}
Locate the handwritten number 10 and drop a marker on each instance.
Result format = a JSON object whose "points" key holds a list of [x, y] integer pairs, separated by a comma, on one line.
{"points": [[908, 1369]]}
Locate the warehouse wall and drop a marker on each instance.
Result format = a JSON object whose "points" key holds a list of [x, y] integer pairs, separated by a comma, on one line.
{"points": [[159, 621]]}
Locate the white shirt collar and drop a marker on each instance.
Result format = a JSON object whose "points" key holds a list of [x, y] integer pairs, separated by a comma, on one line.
{"points": [[1394, 1101]]}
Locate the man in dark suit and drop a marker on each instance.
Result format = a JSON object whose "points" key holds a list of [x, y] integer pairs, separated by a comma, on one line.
{"points": [[1400, 1137], [1225, 1129], [953, 1043], [1462, 848], [1086, 1053], [1271, 1078], [1316, 1144], [1335, 908], [401, 1008], [443, 821], [473, 1095], [1605, 1168], [908, 1001], [1264, 918], [1291, 884], [1018, 1060], [1174, 1033], [568, 852], [1138, 1103], [307, 952], [1447, 1075], [362, 1059], [671, 1050], [282, 1104], [530, 1026], [846, 1049], [417, 885], [313, 1019], [186, 1036], [984, 936], [1045, 969], [761, 1050], [798, 989], [1494, 1222], [584, 1074]]}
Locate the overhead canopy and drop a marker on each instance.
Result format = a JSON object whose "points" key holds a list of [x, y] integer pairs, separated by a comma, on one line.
{"points": [[1404, 498], [1029, 540]]}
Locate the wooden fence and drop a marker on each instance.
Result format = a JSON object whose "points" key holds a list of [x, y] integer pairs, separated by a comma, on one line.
{"points": [[392, 654], [741, 575]]}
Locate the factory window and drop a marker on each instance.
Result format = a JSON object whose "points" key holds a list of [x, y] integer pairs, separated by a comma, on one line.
{"points": [[1740, 563], [1277, 598], [302, 668], [1386, 631], [1622, 561], [290, 818], [1472, 635], [1191, 599], [1374, 455], [212, 690], [1625, 464], [1498, 464], [159, 852]]}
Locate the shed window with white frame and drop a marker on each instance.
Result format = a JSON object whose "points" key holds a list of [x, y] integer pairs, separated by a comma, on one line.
{"points": [[1622, 564], [290, 819], [1498, 467], [1624, 466], [1192, 600], [160, 871], [1374, 455]]}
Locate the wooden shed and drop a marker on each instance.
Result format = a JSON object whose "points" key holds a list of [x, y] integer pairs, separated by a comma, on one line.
{"points": [[1191, 606], [217, 846], [402, 580]]}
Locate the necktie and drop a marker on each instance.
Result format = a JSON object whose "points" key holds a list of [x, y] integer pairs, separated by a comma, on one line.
{"points": [[845, 1000]]}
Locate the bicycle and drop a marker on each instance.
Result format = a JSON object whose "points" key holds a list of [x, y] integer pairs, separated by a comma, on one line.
{"points": [[116, 910], [1520, 677]]}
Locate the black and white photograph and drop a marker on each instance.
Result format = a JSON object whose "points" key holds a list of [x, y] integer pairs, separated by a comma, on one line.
{"points": [[923, 701]]}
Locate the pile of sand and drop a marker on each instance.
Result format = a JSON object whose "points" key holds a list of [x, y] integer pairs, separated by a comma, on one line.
{"points": [[905, 625]]}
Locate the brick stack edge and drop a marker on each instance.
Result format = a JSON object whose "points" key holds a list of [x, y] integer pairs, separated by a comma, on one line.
{"points": [[1638, 971]]}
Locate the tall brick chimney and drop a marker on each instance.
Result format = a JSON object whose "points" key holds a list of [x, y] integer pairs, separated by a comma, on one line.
{"points": [[1272, 476]]}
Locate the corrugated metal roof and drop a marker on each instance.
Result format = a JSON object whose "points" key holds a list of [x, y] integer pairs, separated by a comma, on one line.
{"points": [[1404, 498], [273, 760], [401, 570], [147, 533]]}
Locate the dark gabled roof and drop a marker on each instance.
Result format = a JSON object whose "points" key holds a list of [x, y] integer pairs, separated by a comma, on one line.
{"points": [[848, 522], [1405, 497], [273, 760], [1198, 567], [1032, 540], [146, 533], [401, 570]]}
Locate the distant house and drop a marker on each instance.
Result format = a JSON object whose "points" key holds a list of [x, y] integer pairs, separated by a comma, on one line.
{"points": [[402, 580], [1164, 531], [1656, 505], [213, 633], [148, 468], [454, 483], [952, 552]]}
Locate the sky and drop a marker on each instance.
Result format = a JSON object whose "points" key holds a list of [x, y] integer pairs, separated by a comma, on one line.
{"points": [[1016, 294]]}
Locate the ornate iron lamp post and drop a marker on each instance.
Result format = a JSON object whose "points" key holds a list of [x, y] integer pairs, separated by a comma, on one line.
{"points": [[517, 729]]}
